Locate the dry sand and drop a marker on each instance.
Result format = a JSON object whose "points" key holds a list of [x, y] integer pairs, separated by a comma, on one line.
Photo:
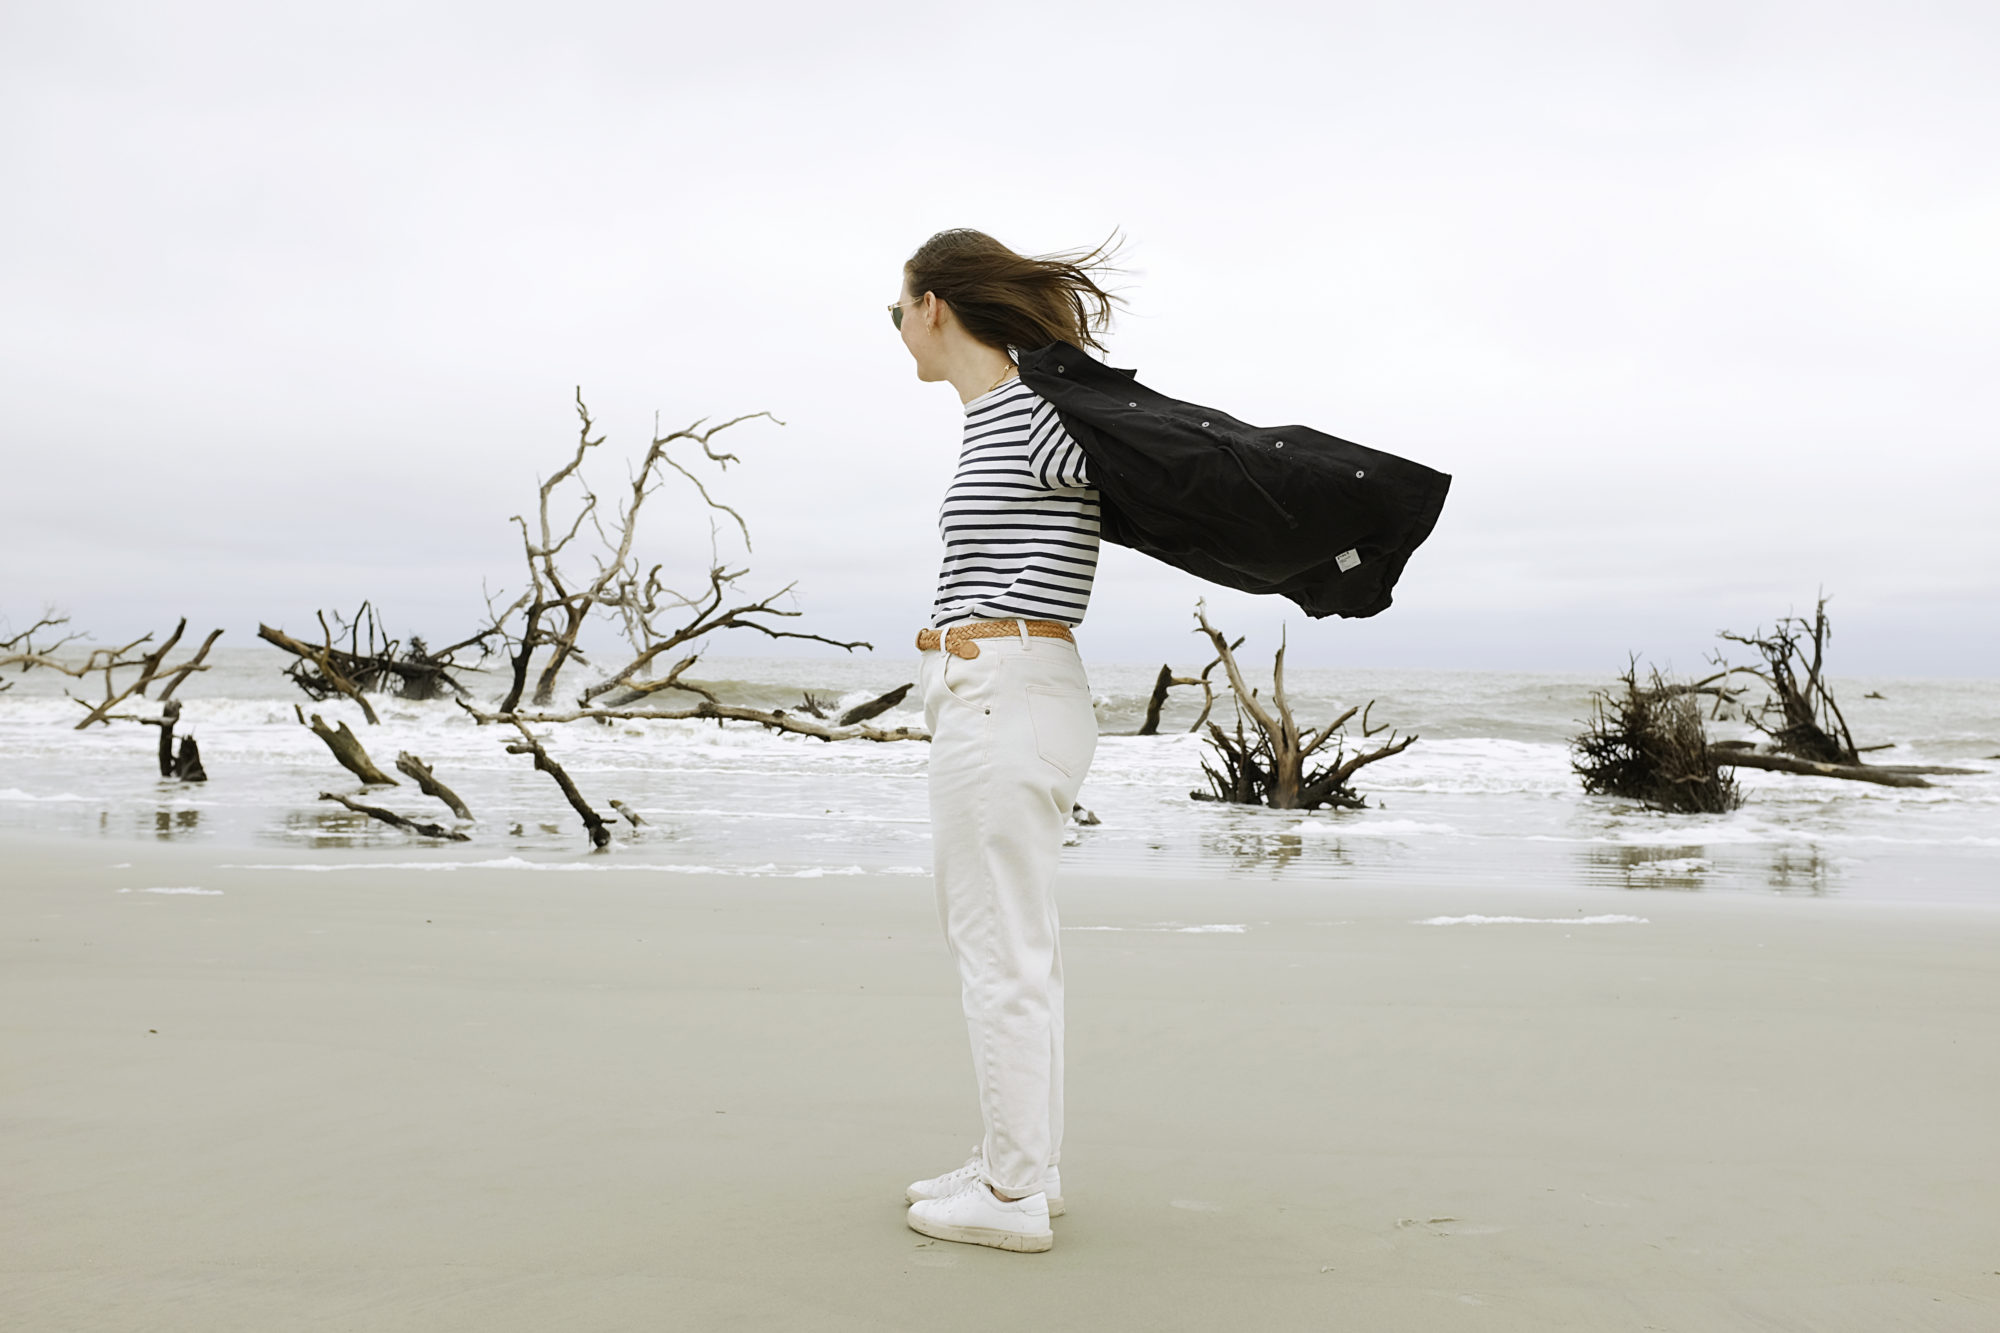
{"points": [[491, 1100]]}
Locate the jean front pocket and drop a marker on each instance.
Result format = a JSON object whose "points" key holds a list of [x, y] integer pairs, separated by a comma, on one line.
{"points": [[1065, 727], [969, 683]]}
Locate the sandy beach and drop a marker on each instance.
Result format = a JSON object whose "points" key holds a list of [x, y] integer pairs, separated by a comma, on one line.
{"points": [[498, 1099]]}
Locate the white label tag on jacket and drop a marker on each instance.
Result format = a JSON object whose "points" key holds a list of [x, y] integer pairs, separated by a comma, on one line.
{"points": [[1347, 559]]}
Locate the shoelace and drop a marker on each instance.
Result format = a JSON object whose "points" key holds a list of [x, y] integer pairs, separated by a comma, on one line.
{"points": [[970, 1171]]}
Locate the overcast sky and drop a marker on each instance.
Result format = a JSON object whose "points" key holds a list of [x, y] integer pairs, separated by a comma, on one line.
{"points": [[1698, 302]]}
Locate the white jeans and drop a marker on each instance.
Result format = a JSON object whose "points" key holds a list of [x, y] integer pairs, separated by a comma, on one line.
{"points": [[1012, 733]]}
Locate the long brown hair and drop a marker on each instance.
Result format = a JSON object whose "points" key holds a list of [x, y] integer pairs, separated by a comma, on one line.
{"points": [[1008, 300]]}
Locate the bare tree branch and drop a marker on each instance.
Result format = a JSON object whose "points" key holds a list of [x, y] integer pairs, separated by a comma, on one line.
{"points": [[150, 667], [417, 770], [391, 817], [347, 750], [529, 744]]}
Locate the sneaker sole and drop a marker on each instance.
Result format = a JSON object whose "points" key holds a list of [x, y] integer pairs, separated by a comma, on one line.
{"points": [[1055, 1205], [999, 1240]]}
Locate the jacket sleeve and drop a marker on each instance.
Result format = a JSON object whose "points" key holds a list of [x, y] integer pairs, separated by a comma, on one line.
{"points": [[1057, 460]]}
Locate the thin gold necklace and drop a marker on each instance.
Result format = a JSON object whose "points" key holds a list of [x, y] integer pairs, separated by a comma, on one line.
{"points": [[1005, 376]]}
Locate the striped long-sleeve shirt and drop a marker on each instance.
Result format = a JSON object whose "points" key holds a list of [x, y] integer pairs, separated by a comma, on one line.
{"points": [[1020, 519]]}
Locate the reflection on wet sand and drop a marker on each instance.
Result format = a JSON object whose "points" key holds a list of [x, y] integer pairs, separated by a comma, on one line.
{"points": [[1268, 851], [1679, 868], [322, 827], [169, 823], [1805, 869], [333, 826], [1790, 869]]}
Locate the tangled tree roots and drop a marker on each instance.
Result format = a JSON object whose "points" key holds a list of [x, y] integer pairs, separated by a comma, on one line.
{"points": [[1647, 743]]}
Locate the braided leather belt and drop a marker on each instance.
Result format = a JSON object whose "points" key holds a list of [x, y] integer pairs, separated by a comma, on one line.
{"points": [[957, 639]]}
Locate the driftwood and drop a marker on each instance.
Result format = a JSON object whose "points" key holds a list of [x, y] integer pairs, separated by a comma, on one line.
{"points": [[346, 747], [391, 817], [875, 707], [1741, 755], [385, 665], [1865, 775], [600, 832], [779, 721], [186, 764], [150, 666], [328, 660], [1271, 768], [1785, 763], [1647, 743], [631, 815], [419, 772]]}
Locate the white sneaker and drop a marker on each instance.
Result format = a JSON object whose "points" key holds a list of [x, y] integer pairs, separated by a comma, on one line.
{"points": [[951, 1182], [978, 1216]]}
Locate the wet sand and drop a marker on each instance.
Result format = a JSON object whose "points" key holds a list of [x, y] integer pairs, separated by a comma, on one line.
{"points": [[493, 1100]]}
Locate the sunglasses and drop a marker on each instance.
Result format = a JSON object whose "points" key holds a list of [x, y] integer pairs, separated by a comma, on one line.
{"points": [[896, 315]]}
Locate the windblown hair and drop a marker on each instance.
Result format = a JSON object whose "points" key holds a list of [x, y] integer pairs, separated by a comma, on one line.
{"points": [[1007, 300]]}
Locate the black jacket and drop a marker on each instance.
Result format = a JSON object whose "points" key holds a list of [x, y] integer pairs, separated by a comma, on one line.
{"points": [[1274, 509]]}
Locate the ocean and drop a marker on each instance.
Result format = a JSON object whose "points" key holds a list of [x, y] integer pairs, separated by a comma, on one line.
{"points": [[1485, 797]]}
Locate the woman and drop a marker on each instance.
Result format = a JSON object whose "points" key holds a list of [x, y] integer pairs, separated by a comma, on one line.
{"points": [[1008, 706]]}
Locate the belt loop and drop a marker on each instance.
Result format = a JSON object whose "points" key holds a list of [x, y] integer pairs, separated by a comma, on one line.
{"points": [[1024, 632]]}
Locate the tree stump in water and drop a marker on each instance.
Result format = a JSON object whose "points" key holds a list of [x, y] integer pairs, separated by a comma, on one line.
{"points": [[186, 764]]}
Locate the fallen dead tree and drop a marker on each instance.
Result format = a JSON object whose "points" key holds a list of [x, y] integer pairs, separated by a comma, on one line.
{"points": [[383, 665], [1743, 756], [1647, 743], [1274, 767]]}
